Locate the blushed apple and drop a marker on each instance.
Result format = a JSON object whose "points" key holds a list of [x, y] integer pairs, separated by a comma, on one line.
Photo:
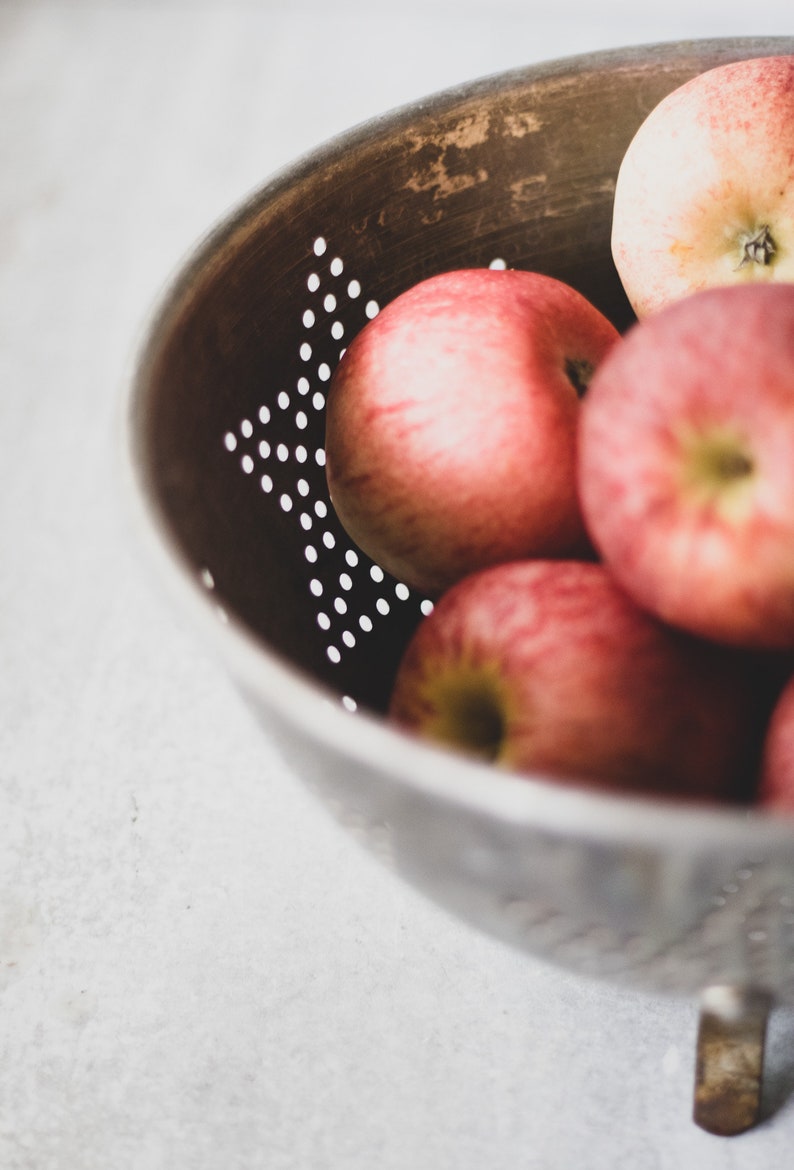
{"points": [[776, 785], [547, 667], [686, 464], [451, 424], [705, 191]]}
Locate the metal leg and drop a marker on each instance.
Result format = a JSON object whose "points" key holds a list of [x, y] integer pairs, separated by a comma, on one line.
{"points": [[730, 1059]]}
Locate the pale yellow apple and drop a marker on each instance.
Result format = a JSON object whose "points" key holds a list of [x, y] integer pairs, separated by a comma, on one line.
{"points": [[705, 191]]}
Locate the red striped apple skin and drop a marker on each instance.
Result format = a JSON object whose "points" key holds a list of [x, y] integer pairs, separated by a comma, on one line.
{"points": [[547, 667], [776, 788], [451, 424], [686, 464], [705, 191]]}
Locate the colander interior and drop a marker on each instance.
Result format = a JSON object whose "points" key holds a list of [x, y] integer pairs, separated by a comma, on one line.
{"points": [[511, 172], [517, 170]]}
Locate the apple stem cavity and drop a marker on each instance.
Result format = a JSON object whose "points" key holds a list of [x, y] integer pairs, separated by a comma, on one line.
{"points": [[757, 247], [579, 372], [718, 470], [469, 716], [725, 465]]}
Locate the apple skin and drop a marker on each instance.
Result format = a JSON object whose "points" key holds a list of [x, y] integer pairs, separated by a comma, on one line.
{"points": [[709, 169], [451, 424], [776, 785], [686, 471], [546, 667]]}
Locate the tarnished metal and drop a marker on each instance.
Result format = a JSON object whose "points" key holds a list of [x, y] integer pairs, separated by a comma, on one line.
{"points": [[730, 1059], [226, 431]]}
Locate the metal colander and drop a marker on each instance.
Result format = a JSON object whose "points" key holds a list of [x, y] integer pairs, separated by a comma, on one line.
{"points": [[226, 436]]}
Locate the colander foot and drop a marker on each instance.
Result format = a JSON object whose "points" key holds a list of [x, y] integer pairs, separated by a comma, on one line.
{"points": [[730, 1059]]}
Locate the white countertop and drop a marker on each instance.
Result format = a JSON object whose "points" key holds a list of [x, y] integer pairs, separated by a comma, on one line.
{"points": [[198, 971]]}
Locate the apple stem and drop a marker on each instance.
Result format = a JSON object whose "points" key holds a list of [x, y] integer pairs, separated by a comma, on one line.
{"points": [[730, 465], [758, 248], [579, 372]]}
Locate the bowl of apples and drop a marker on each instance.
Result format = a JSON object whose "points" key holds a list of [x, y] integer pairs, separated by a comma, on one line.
{"points": [[466, 440]]}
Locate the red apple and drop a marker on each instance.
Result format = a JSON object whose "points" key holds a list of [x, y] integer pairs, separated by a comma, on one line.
{"points": [[776, 788], [686, 464], [547, 667], [705, 191], [451, 424]]}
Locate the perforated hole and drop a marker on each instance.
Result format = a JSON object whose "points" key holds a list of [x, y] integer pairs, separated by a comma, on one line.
{"points": [[280, 445]]}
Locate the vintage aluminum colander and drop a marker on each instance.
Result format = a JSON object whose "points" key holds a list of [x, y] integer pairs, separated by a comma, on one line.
{"points": [[226, 458]]}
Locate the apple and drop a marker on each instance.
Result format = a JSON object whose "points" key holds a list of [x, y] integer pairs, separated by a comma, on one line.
{"points": [[451, 424], [686, 464], [547, 667], [705, 191], [776, 786]]}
